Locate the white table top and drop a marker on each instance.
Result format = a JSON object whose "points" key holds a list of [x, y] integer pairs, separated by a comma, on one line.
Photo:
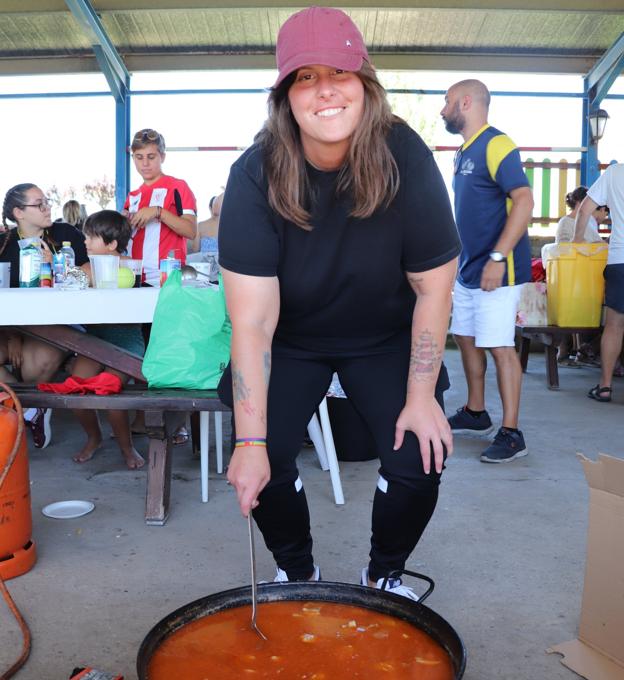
{"points": [[48, 306]]}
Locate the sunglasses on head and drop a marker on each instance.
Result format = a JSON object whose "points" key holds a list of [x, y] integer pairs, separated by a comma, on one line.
{"points": [[147, 134]]}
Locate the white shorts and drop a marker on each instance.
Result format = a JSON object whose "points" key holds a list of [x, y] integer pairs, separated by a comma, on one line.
{"points": [[487, 316]]}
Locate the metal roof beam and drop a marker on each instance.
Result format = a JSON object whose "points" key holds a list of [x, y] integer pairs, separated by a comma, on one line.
{"points": [[533, 5], [108, 58], [530, 5], [212, 62], [605, 71]]}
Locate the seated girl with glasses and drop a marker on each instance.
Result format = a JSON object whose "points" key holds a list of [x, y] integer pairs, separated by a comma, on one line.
{"points": [[107, 232], [27, 207]]}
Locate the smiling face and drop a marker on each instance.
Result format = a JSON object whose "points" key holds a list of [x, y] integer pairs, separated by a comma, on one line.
{"points": [[328, 105], [148, 161]]}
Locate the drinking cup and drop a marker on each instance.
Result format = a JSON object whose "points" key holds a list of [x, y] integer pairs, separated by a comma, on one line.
{"points": [[105, 269], [137, 269], [5, 274]]}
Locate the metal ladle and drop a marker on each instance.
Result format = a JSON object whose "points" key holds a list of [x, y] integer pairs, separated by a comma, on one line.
{"points": [[254, 594], [190, 273]]}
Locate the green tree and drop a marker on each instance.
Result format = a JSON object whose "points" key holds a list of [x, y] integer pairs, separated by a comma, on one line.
{"points": [[100, 191], [409, 105], [55, 196]]}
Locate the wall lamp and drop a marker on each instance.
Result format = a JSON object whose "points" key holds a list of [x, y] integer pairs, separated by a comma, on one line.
{"points": [[597, 123]]}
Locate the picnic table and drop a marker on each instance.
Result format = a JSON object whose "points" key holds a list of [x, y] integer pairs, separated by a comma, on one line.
{"points": [[49, 314], [550, 337]]}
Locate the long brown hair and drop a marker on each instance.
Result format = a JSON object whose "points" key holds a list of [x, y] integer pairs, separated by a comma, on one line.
{"points": [[15, 198], [370, 173]]}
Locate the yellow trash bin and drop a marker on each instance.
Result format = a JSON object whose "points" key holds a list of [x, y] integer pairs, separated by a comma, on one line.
{"points": [[575, 283]]}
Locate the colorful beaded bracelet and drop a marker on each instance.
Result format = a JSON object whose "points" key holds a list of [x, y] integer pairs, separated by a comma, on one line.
{"points": [[250, 441]]}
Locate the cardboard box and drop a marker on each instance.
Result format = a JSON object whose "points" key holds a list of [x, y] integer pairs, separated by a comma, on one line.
{"points": [[598, 653]]}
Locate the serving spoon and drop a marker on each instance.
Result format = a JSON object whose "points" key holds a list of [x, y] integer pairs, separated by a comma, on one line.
{"points": [[189, 272], [254, 594]]}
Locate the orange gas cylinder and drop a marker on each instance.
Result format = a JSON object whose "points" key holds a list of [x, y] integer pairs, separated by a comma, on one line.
{"points": [[17, 551]]}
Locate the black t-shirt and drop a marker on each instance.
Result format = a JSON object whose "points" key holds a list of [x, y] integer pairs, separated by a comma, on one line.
{"points": [[54, 235], [342, 285]]}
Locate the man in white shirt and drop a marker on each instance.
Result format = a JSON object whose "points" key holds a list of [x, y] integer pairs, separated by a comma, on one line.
{"points": [[608, 190]]}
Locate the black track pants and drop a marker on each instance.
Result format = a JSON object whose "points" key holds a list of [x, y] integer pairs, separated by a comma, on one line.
{"points": [[405, 497]]}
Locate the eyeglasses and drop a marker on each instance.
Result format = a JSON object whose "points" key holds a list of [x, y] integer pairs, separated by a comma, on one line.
{"points": [[457, 159], [147, 134], [43, 206]]}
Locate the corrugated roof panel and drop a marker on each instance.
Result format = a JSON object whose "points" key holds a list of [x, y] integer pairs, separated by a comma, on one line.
{"points": [[49, 32], [253, 30]]}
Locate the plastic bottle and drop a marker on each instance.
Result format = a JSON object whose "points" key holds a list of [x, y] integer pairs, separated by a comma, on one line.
{"points": [[68, 253], [29, 263], [58, 268]]}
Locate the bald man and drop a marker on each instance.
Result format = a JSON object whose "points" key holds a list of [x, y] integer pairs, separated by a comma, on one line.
{"points": [[493, 206]]}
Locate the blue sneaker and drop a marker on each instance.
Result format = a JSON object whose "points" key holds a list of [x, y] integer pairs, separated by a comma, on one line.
{"points": [[507, 446], [463, 423]]}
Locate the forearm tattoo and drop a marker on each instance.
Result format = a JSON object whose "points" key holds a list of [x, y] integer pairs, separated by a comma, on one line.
{"points": [[241, 392], [425, 358]]}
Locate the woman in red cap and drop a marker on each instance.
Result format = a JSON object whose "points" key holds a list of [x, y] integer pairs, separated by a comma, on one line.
{"points": [[338, 249]]}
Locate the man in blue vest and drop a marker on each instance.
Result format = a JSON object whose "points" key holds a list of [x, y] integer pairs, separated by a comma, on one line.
{"points": [[493, 206]]}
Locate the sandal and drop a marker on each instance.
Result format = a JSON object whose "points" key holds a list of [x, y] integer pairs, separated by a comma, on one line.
{"points": [[600, 393], [180, 436], [568, 363]]}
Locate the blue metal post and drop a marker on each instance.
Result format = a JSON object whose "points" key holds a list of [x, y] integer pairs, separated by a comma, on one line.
{"points": [[118, 79], [590, 170], [596, 85], [122, 157]]}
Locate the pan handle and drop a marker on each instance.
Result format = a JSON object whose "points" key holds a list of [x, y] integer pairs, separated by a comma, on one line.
{"points": [[399, 572]]}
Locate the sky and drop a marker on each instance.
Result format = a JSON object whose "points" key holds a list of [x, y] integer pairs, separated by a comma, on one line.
{"points": [[68, 142]]}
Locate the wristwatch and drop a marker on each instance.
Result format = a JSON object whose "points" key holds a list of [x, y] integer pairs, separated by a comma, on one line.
{"points": [[497, 256]]}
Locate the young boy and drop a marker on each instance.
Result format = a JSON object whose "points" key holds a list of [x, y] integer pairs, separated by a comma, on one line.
{"points": [[107, 233]]}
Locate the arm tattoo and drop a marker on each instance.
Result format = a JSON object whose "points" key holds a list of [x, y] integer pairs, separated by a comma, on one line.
{"points": [[267, 367], [240, 391], [424, 358]]}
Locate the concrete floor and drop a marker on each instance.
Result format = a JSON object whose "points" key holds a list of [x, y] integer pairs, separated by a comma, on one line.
{"points": [[506, 545]]}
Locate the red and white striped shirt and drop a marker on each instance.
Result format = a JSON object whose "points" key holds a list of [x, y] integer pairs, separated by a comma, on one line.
{"points": [[156, 240]]}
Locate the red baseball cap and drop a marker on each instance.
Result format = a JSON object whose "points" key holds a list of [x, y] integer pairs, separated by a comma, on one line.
{"points": [[319, 35]]}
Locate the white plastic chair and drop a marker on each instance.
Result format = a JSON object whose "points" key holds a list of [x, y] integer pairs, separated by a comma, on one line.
{"points": [[204, 434], [323, 440], [320, 434]]}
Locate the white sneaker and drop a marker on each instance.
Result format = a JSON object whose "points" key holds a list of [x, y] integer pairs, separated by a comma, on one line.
{"points": [[394, 585], [41, 428], [282, 576]]}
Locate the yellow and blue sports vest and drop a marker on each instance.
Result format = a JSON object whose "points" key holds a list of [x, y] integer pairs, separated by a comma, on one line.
{"points": [[487, 169]]}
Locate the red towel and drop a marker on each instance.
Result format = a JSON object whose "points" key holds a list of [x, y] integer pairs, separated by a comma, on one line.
{"points": [[103, 383], [538, 273]]}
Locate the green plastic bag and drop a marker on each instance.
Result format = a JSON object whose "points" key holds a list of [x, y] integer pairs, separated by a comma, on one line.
{"points": [[189, 345]]}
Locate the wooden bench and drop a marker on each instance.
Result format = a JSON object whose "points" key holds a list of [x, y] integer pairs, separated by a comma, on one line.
{"points": [[550, 337], [165, 410]]}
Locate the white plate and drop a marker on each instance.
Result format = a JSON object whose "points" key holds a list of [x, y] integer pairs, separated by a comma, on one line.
{"points": [[68, 509]]}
